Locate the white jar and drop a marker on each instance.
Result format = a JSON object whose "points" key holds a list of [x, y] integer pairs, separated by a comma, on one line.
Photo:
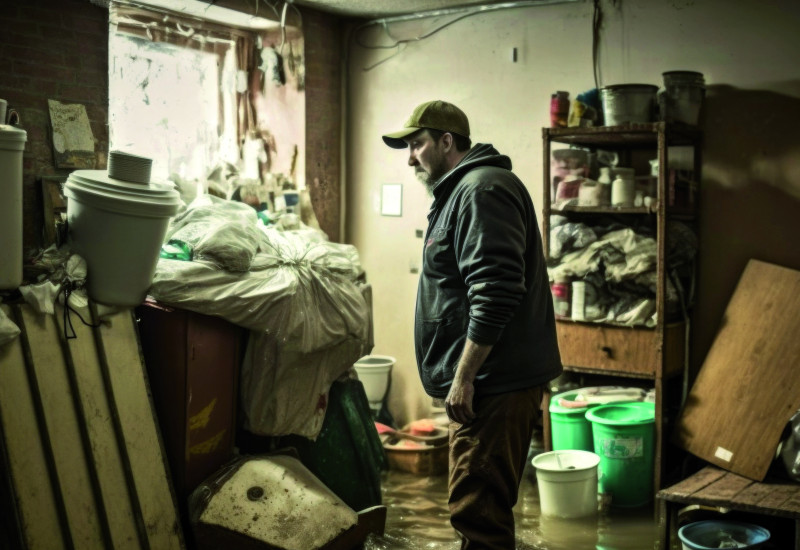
{"points": [[578, 300], [623, 188]]}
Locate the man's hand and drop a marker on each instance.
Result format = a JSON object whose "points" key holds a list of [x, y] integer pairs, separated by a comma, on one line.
{"points": [[459, 401], [462, 391]]}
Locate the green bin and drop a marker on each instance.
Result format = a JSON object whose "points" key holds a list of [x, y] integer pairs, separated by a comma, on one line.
{"points": [[569, 427], [623, 436]]}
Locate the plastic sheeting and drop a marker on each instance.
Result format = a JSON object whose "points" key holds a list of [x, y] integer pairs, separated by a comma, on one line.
{"points": [[303, 303], [619, 266]]}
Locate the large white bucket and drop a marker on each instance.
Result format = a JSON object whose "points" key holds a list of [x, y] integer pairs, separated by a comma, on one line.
{"points": [[12, 143], [374, 372], [118, 227], [567, 482]]}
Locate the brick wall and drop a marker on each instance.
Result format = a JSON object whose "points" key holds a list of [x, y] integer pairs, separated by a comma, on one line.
{"points": [[58, 49], [52, 49], [323, 34]]}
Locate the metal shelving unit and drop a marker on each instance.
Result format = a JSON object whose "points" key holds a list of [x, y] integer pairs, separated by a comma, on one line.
{"points": [[656, 354]]}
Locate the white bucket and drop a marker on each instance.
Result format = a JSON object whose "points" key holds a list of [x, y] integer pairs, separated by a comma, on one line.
{"points": [[567, 483], [118, 227], [374, 372], [12, 143]]}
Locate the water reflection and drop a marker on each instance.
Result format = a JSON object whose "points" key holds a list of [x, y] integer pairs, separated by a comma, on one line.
{"points": [[417, 519]]}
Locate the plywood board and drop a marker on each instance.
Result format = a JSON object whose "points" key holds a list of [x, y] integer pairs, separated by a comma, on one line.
{"points": [[84, 454], [119, 345], [63, 428], [748, 387], [36, 501], [105, 454]]}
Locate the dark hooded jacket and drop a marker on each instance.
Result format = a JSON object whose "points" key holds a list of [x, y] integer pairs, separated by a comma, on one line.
{"points": [[484, 277]]}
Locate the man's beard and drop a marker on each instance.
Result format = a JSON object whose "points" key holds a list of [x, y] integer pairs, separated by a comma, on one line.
{"points": [[438, 169]]}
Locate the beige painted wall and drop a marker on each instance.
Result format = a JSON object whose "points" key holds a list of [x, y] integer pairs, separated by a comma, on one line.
{"points": [[751, 182]]}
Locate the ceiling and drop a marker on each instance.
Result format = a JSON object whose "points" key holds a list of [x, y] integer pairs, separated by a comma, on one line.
{"points": [[383, 8]]}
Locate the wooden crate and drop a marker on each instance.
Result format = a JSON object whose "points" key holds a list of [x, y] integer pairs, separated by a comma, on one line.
{"points": [[425, 461]]}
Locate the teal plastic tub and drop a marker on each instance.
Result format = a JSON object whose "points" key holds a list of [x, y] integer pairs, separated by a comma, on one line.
{"points": [[705, 535]]}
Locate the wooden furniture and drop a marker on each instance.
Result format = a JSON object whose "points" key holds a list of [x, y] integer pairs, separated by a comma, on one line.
{"points": [[649, 356], [774, 505], [193, 365], [748, 387]]}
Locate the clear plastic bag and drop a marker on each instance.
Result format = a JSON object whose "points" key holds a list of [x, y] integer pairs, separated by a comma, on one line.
{"points": [[790, 448], [220, 231], [8, 329]]}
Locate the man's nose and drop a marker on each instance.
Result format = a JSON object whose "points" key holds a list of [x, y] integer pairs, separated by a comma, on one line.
{"points": [[412, 160]]}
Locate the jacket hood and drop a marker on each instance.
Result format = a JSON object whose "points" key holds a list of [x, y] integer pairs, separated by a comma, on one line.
{"points": [[482, 154]]}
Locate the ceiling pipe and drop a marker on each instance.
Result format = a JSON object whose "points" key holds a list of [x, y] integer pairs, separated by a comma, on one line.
{"points": [[476, 9]]}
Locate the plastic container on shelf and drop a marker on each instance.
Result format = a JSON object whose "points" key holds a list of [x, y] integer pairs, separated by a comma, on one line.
{"points": [[628, 103], [560, 288], [624, 437], [623, 188], [681, 98]]}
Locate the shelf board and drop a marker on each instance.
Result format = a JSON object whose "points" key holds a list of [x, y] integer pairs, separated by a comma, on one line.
{"points": [[599, 324], [653, 209], [628, 134]]}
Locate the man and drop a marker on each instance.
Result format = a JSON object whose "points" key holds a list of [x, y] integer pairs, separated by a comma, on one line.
{"points": [[484, 325]]}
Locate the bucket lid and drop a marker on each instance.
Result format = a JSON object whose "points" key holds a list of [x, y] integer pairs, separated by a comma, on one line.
{"points": [[12, 138], [561, 461], [630, 88], [97, 188], [623, 414], [582, 398]]}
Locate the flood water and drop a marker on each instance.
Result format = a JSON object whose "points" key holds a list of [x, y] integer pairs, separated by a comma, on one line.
{"points": [[417, 519]]}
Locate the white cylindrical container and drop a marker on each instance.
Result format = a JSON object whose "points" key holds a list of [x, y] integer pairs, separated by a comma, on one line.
{"points": [[567, 482], [118, 227], [623, 188], [374, 372], [578, 300], [12, 144]]}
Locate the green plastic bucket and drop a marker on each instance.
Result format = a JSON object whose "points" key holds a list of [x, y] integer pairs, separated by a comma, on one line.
{"points": [[570, 429], [623, 435]]}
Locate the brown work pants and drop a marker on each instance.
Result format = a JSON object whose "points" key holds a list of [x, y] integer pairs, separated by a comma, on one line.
{"points": [[487, 457]]}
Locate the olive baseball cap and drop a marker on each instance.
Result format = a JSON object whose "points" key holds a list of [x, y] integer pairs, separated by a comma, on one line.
{"points": [[438, 115]]}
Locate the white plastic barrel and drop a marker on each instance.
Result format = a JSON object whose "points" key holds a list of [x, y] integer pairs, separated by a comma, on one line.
{"points": [[12, 143], [118, 227]]}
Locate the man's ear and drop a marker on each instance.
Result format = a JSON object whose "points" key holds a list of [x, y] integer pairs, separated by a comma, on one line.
{"points": [[447, 141]]}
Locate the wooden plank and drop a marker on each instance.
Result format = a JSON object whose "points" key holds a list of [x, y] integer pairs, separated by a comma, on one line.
{"points": [[35, 499], [63, 427], [777, 497], [115, 499], [724, 489], [118, 346], [686, 488], [748, 388]]}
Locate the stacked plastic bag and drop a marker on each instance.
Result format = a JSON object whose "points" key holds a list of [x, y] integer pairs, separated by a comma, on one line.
{"points": [[300, 297], [619, 266]]}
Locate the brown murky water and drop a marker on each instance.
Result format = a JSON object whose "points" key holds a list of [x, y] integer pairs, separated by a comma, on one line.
{"points": [[417, 519]]}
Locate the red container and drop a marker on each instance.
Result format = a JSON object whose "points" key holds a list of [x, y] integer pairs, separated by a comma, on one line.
{"points": [[561, 298]]}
